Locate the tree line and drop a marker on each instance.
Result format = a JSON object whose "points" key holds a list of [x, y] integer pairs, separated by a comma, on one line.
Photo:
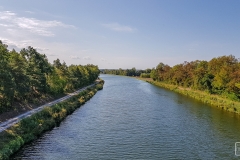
{"points": [[128, 72], [220, 75], [27, 75]]}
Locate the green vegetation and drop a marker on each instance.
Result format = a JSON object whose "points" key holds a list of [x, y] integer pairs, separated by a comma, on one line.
{"points": [[128, 72], [27, 76], [32, 127], [216, 82], [205, 97], [145, 75], [220, 76]]}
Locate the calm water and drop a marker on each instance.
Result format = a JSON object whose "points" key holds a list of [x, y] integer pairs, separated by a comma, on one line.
{"points": [[132, 119]]}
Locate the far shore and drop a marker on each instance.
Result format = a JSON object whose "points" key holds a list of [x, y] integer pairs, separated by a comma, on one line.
{"points": [[211, 99]]}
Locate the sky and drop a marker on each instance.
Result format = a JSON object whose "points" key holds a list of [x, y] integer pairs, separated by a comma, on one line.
{"points": [[123, 33]]}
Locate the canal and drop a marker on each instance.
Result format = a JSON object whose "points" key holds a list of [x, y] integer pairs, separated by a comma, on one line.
{"points": [[132, 119]]}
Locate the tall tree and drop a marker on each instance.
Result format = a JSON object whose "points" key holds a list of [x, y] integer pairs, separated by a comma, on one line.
{"points": [[37, 69], [19, 72], [7, 84]]}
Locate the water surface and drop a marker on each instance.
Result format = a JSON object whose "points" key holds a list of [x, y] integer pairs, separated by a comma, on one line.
{"points": [[132, 119]]}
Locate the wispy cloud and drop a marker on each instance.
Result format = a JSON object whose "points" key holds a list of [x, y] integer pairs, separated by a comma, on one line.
{"points": [[6, 25], [36, 26], [42, 49], [51, 54], [118, 27], [75, 57], [87, 58], [16, 45], [85, 50]]}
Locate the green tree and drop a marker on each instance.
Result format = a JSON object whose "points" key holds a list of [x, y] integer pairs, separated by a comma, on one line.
{"points": [[7, 84], [222, 68], [37, 70], [153, 74], [19, 72]]}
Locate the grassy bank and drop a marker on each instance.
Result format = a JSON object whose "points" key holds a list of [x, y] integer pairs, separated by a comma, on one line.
{"points": [[32, 127], [211, 99]]}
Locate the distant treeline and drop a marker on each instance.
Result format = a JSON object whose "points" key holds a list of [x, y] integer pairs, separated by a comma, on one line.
{"points": [[128, 72], [28, 75], [220, 75]]}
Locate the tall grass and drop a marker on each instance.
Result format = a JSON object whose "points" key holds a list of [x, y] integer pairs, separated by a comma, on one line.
{"points": [[211, 99], [32, 127]]}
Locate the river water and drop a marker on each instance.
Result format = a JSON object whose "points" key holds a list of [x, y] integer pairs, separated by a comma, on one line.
{"points": [[132, 119]]}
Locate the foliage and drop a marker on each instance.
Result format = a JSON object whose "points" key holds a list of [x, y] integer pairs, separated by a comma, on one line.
{"points": [[32, 127], [208, 98], [219, 76], [126, 72], [145, 75], [27, 75]]}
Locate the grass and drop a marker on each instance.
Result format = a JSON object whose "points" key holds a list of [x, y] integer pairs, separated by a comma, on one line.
{"points": [[32, 127], [211, 99]]}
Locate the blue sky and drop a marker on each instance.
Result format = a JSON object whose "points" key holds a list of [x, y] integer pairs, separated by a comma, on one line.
{"points": [[123, 33]]}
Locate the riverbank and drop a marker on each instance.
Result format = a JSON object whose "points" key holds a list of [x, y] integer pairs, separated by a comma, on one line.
{"points": [[211, 99], [34, 126], [22, 107], [19, 108]]}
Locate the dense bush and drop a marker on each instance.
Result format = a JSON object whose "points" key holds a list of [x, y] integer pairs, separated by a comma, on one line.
{"points": [[145, 75]]}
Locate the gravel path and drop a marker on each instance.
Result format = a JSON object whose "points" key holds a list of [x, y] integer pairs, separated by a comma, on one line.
{"points": [[12, 121]]}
